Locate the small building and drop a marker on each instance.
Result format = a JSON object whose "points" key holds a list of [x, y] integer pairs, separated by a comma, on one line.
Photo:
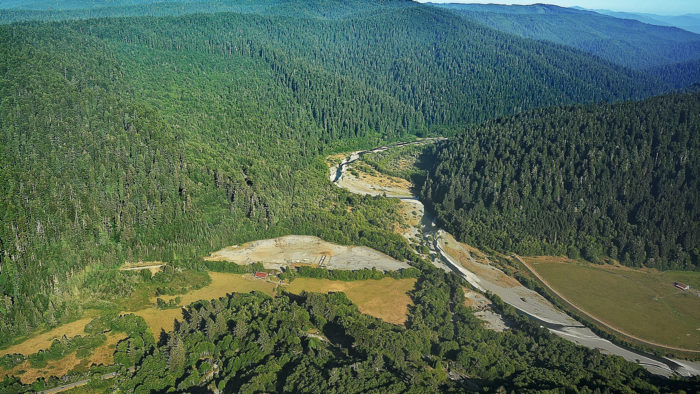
{"points": [[261, 275], [681, 285]]}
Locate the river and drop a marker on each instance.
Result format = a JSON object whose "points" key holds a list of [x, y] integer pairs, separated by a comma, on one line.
{"points": [[486, 277]]}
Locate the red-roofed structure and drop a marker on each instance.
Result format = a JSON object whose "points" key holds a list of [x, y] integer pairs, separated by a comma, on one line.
{"points": [[261, 275]]}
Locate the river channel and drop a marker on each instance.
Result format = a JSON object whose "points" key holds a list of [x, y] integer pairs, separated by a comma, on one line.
{"points": [[448, 254]]}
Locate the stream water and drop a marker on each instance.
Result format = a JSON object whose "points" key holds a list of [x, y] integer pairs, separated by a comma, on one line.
{"points": [[526, 301]]}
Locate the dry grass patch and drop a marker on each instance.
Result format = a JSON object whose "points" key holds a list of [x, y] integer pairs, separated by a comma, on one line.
{"points": [[334, 160], [160, 319], [102, 355], [643, 303], [221, 284], [385, 298], [28, 375], [43, 340], [157, 320], [369, 175], [373, 183], [465, 255]]}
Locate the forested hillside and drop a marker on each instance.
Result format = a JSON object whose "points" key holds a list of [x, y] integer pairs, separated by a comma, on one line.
{"points": [[14, 11], [163, 138], [320, 343], [622, 41], [316, 343], [689, 22], [592, 181], [681, 76]]}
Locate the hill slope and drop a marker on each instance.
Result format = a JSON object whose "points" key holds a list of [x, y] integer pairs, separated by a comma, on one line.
{"points": [[142, 138], [613, 180], [689, 22], [622, 41]]}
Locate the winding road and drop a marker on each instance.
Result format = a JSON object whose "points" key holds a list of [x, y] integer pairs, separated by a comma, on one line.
{"points": [[528, 302]]}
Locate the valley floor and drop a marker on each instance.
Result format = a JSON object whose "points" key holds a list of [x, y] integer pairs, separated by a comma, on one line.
{"points": [[647, 306], [446, 253]]}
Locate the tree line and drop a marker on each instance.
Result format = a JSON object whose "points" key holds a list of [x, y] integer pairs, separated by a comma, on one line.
{"points": [[608, 181]]}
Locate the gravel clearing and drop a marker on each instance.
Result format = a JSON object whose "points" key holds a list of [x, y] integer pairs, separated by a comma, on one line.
{"points": [[278, 253], [458, 257]]}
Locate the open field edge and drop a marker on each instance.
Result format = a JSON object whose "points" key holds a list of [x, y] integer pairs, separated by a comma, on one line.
{"points": [[600, 325]]}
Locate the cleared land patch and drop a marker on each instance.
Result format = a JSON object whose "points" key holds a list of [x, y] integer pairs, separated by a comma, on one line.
{"points": [[475, 261], [386, 298], [102, 355], [642, 303], [153, 266], [43, 341], [224, 283], [221, 284], [483, 310], [282, 252], [363, 179]]}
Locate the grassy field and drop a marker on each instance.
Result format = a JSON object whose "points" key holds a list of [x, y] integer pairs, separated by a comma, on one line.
{"points": [[43, 340], [221, 284], [386, 298], [102, 355], [157, 319], [643, 303]]}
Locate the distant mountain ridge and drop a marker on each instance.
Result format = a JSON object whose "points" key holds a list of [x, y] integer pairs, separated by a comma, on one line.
{"points": [[689, 22], [43, 5], [626, 42], [48, 10]]}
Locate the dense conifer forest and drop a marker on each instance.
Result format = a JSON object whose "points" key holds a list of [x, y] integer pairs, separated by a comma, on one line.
{"points": [[164, 131], [618, 181], [163, 138], [622, 41], [320, 343]]}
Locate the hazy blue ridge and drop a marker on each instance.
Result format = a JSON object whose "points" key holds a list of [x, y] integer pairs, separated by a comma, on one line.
{"points": [[689, 22], [622, 41]]}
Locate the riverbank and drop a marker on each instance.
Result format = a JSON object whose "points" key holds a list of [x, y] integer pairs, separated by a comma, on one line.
{"points": [[446, 253]]}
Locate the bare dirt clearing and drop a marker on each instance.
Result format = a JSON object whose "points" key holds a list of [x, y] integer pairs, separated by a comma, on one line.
{"points": [[153, 266], [483, 311], [361, 182], [465, 255], [282, 252]]}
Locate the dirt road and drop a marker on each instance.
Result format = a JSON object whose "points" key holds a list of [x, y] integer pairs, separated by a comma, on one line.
{"points": [[592, 317], [523, 299]]}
